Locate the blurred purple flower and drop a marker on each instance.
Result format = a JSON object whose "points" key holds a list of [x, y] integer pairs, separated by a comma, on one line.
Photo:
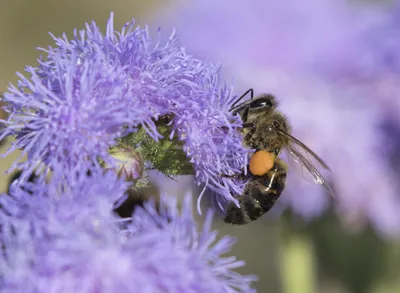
{"points": [[197, 255], [315, 58], [69, 240], [87, 90], [285, 34]]}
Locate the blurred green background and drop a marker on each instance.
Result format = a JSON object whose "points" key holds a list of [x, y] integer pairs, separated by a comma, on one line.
{"points": [[288, 255]]}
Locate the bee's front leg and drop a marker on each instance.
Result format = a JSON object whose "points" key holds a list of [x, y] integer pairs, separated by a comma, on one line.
{"points": [[252, 128], [239, 176]]}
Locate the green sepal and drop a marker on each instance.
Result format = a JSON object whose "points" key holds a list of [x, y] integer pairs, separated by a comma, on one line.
{"points": [[165, 155]]}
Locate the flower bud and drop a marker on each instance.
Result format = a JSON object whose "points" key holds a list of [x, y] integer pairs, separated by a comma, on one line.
{"points": [[129, 164]]}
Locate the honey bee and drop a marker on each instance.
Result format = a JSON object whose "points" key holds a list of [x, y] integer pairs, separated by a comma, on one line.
{"points": [[267, 130]]}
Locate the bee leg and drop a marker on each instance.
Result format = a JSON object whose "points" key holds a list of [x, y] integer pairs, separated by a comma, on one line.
{"points": [[249, 125], [263, 192], [240, 176], [275, 181], [245, 114], [259, 196], [241, 97], [251, 131]]}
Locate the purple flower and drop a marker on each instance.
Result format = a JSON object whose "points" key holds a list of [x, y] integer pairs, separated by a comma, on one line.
{"points": [[73, 125], [89, 92], [212, 144], [197, 256], [62, 200], [297, 52], [69, 240]]}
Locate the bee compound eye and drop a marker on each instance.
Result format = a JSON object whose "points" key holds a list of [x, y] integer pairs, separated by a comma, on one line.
{"points": [[264, 102], [276, 124]]}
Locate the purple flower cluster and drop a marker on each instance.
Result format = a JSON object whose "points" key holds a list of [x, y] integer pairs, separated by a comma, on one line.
{"points": [[66, 238], [334, 68], [92, 90], [59, 230]]}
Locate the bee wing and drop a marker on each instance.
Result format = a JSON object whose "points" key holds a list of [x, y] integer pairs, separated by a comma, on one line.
{"points": [[304, 158], [300, 158], [295, 165]]}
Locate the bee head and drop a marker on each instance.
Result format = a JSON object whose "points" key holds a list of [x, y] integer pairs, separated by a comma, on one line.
{"points": [[277, 125], [262, 103], [259, 105], [279, 122]]}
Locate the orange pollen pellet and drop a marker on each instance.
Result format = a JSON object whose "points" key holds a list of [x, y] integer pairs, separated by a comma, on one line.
{"points": [[261, 162]]}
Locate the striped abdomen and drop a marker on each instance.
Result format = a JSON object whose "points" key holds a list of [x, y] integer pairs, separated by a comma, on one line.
{"points": [[259, 196]]}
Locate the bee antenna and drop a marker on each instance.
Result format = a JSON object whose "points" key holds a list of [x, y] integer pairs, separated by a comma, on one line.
{"points": [[251, 91]]}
